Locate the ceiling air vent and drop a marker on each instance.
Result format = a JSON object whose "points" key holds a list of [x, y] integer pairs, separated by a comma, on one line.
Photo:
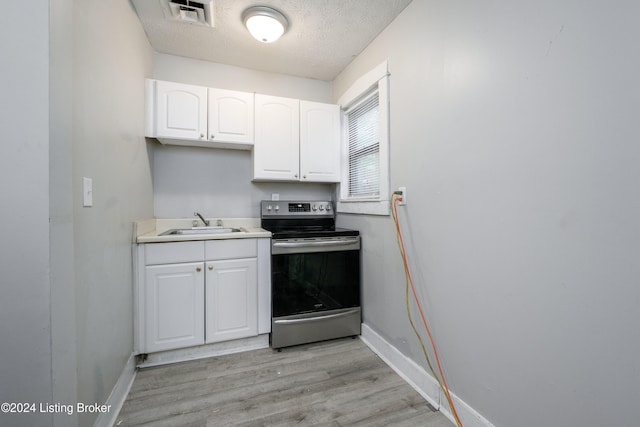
{"points": [[189, 11]]}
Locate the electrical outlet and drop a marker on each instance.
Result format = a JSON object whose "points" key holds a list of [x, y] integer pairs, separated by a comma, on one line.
{"points": [[403, 190]]}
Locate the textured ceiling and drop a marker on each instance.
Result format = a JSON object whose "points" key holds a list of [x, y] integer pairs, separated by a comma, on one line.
{"points": [[323, 36]]}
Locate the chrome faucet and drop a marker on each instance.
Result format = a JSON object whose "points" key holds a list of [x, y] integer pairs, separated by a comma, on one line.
{"points": [[206, 223]]}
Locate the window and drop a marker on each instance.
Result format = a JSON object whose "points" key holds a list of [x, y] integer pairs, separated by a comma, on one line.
{"points": [[364, 187], [363, 148]]}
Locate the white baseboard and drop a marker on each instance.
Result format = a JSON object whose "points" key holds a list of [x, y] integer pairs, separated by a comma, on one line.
{"points": [[204, 351], [118, 395], [420, 380]]}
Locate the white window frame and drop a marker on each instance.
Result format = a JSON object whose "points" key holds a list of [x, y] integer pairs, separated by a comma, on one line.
{"points": [[376, 79]]}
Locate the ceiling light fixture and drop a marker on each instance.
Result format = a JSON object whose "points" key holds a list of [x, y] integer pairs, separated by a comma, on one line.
{"points": [[264, 23]]}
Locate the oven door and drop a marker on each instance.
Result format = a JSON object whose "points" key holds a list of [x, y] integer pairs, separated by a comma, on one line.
{"points": [[311, 275], [315, 289]]}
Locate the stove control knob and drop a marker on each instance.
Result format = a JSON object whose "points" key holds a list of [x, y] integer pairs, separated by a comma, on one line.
{"points": [[277, 208], [269, 208], [328, 207], [321, 207], [314, 207]]}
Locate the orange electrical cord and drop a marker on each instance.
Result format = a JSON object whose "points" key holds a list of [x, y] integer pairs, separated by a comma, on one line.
{"points": [[443, 385]]}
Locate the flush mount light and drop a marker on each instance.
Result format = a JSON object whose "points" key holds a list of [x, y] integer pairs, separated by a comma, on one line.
{"points": [[264, 23]]}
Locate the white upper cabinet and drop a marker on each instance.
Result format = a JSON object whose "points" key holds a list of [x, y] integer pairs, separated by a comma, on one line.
{"points": [[292, 140], [230, 116], [319, 142], [182, 114], [296, 140], [277, 148], [180, 111]]}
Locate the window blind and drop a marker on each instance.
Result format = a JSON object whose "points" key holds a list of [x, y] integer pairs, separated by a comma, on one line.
{"points": [[363, 128]]}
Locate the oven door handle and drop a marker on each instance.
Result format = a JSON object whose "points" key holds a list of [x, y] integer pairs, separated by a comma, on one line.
{"points": [[313, 244], [315, 318]]}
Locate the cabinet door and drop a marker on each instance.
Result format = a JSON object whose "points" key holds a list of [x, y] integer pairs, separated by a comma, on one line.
{"points": [[181, 111], [174, 306], [319, 142], [276, 152], [230, 116], [231, 299]]}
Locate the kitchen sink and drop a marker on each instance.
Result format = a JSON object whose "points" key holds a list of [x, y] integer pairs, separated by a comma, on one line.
{"points": [[200, 230]]}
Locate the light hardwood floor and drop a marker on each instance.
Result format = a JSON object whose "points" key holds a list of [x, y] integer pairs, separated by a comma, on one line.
{"points": [[333, 383]]}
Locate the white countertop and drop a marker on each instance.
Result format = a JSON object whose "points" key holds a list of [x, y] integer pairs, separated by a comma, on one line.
{"points": [[149, 230]]}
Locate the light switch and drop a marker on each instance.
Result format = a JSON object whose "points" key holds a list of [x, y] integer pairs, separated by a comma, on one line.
{"points": [[87, 192]]}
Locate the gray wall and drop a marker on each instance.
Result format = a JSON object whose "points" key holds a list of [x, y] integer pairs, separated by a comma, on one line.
{"points": [[514, 128], [111, 59], [217, 182], [72, 106], [61, 202], [25, 353]]}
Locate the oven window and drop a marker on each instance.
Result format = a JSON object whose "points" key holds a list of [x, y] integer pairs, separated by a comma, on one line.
{"points": [[318, 281]]}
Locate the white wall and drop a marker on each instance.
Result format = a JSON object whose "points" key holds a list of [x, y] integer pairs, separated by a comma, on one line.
{"points": [[514, 128], [217, 182], [112, 57], [25, 353], [204, 73]]}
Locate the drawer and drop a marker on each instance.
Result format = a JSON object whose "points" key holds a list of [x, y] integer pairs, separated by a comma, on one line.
{"points": [[231, 249], [169, 253]]}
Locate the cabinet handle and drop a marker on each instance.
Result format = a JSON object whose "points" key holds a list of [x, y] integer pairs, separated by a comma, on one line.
{"points": [[304, 176], [213, 136], [295, 176], [202, 135], [198, 269], [211, 268]]}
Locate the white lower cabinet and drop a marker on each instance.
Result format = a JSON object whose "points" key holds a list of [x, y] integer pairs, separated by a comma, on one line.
{"points": [[231, 290], [194, 293], [174, 309]]}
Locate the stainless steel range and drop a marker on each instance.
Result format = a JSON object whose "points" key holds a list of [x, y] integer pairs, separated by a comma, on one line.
{"points": [[315, 273]]}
